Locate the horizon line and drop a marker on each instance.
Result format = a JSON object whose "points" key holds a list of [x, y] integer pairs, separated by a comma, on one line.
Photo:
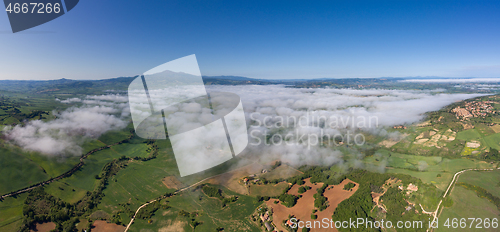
{"points": [[270, 79]]}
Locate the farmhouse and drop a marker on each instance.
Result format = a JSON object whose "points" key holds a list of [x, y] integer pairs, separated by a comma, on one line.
{"points": [[265, 216], [412, 187]]}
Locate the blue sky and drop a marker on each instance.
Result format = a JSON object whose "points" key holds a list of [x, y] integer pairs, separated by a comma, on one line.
{"points": [[260, 39]]}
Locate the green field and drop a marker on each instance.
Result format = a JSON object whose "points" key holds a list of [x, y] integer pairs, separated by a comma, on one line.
{"points": [[430, 167], [53, 165], [65, 192], [467, 205], [268, 189], [484, 130], [20, 169], [11, 210], [468, 135], [132, 150], [233, 217], [493, 141], [489, 180], [91, 145], [136, 184], [85, 177], [140, 181], [17, 171], [112, 137]]}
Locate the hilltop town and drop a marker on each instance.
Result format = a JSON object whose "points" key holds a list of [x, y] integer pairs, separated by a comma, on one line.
{"points": [[473, 109]]}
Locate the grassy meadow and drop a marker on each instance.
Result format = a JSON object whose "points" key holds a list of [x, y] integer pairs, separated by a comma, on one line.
{"points": [[466, 204], [489, 180]]}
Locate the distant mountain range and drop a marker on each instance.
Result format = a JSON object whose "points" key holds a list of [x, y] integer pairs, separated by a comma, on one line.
{"points": [[61, 86]]}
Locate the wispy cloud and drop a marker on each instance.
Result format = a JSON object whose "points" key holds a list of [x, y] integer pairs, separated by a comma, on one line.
{"points": [[72, 127]]}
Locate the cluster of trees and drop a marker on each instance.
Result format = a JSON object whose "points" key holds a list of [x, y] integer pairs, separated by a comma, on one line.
{"points": [[125, 208], [491, 155], [185, 213], [148, 211], [317, 175], [153, 149], [288, 200], [92, 199], [303, 189], [394, 200], [320, 201], [228, 200], [292, 180], [275, 165], [212, 191], [261, 198], [376, 188], [274, 181], [10, 107], [192, 218], [481, 192], [41, 207], [360, 204], [37, 113], [398, 209], [370, 151], [349, 186]]}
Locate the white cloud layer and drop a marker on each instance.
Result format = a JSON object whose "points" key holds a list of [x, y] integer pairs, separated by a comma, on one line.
{"points": [[269, 103], [65, 134], [273, 104]]}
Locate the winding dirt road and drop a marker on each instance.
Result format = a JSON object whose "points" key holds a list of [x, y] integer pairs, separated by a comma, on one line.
{"points": [[178, 191], [448, 190]]}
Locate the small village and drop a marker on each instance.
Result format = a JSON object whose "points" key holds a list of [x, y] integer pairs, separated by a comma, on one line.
{"points": [[474, 109]]}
